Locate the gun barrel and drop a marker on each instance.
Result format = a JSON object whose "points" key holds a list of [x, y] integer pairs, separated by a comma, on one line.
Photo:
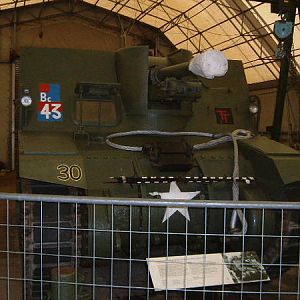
{"points": [[178, 71]]}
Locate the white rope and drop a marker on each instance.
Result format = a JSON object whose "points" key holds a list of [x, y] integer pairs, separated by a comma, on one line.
{"points": [[151, 132], [238, 134]]}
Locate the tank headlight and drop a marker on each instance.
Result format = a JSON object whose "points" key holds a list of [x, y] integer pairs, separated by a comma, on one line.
{"points": [[253, 108]]}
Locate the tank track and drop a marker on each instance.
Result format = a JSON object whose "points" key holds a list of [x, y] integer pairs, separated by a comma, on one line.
{"points": [[53, 246]]}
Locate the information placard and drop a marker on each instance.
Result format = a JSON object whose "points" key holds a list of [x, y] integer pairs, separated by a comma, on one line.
{"points": [[192, 271]]}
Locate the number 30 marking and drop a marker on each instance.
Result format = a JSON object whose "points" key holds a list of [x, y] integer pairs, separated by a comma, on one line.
{"points": [[66, 172]]}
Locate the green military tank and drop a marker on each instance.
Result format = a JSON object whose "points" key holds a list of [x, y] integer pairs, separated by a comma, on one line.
{"points": [[125, 124]]}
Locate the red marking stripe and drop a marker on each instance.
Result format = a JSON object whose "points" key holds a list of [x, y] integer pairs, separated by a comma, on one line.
{"points": [[45, 87]]}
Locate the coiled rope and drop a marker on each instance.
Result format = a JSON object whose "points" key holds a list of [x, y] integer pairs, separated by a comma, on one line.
{"points": [[217, 139]]}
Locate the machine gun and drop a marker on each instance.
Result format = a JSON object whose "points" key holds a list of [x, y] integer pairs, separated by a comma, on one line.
{"points": [[180, 81], [168, 87]]}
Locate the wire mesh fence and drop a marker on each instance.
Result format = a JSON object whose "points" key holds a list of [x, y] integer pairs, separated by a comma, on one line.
{"points": [[65, 247]]}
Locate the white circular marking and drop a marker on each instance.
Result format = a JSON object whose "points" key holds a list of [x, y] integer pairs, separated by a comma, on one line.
{"points": [[26, 100]]}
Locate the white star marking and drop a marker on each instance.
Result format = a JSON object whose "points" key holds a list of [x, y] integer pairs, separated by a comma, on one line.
{"points": [[176, 194]]}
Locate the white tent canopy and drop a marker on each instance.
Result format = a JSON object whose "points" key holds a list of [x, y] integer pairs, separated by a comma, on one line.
{"points": [[241, 29]]}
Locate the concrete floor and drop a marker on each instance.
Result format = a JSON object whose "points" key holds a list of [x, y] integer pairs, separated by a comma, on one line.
{"points": [[10, 264]]}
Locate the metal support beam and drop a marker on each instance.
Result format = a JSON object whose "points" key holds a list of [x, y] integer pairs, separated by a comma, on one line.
{"points": [[269, 46], [283, 76]]}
